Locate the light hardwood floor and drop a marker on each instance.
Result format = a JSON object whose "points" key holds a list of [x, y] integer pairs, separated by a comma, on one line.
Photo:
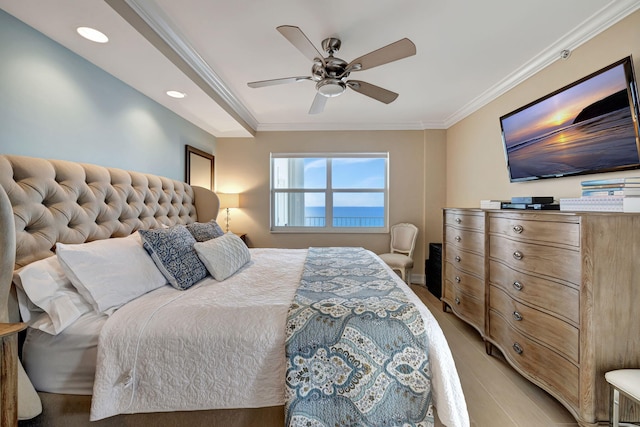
{"points": [[496, 395]]}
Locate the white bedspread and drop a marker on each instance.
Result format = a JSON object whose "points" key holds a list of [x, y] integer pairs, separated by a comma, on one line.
{"points": [[221, 345]]}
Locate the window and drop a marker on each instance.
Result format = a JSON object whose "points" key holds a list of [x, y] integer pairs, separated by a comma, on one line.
{"points": [[345, 192]]}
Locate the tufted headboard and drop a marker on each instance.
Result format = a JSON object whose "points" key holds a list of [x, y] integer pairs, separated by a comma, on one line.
{"points": [[43, 202]]}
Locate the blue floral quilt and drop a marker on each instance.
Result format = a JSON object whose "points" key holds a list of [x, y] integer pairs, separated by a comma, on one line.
{"points": [[356, 347]]}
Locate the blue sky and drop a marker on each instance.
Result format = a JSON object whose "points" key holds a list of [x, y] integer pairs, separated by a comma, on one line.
{"points": [[364, 173], [561, 109]]}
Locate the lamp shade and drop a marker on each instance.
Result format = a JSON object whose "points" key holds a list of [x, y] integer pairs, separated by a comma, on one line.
{"points": [[229, 200]]}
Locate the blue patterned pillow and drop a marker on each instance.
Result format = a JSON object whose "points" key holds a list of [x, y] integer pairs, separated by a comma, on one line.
{"points": [[172, 251], [203, 231]]}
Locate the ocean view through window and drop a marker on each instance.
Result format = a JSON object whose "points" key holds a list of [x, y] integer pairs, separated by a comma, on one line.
{"points": [[335, 192]]}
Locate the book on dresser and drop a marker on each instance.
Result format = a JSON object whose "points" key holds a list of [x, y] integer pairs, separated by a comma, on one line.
{"points": [[611, 191], [620, 182]]}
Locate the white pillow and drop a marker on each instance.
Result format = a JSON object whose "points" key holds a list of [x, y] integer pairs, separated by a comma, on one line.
{"points": [[223, 256], [109, 273], [47, 299]]}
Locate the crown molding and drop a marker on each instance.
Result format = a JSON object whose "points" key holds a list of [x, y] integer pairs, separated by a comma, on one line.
{"points": [[607, 16], [273, 127], [162, 26]]}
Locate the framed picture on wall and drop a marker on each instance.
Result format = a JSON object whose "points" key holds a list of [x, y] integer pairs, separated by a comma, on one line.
{"points": [[199, 168]]}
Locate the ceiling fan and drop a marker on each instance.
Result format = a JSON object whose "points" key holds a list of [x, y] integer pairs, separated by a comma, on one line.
{"points": [[331, 73]]}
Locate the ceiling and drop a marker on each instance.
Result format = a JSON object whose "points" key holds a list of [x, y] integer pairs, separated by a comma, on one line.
{"points": [[468, 53]]}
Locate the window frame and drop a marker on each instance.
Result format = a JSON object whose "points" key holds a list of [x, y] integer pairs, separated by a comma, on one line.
{"points": [[328, 191]]}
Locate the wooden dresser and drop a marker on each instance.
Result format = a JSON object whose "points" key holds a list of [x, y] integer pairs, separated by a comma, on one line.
{"points": [[561, 296], [463, 279]]}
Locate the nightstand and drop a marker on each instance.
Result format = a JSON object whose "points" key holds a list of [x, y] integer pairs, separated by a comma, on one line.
{"points": [[243, 236], [9, 373]]}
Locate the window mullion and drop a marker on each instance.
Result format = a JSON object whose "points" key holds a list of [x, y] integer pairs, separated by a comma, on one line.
{"points": [[329, 196]]}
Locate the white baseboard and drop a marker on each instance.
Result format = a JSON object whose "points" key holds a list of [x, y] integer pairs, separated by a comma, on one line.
{"points": [[418, 279]]}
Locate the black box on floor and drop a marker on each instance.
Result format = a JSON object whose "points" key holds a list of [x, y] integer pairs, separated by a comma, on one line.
{"points": [[434, 269]]}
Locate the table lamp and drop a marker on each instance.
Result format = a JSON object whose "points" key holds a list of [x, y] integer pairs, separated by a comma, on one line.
{"points": [[228, 201]]}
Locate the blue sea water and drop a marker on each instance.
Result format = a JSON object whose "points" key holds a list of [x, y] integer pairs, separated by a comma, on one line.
{"points": [[346, 216], [603, 142]]}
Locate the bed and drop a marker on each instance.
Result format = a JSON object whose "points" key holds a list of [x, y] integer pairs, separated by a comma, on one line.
{"points": [[197, 343]]}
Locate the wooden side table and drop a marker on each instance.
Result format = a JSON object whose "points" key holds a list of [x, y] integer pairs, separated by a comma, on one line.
{"points": [[243, 236], [9, 373]]}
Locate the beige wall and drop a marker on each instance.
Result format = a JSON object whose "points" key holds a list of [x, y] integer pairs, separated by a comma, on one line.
{"points": [[476, 167], [428, 169], [416, 191]]}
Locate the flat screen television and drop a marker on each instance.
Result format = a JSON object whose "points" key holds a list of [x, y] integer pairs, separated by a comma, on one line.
{"points": [[590, 126]]}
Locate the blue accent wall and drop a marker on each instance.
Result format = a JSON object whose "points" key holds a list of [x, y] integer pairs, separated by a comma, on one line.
{"points": [[56, 105]]}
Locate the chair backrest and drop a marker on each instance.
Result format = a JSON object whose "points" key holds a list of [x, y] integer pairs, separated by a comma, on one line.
{"points": [[403, 238]]}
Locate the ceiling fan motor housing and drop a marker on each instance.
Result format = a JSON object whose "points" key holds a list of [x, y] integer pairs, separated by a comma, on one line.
{"points": [[330, 73]]}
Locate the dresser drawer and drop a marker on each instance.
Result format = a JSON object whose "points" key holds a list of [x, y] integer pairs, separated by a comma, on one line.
{"points": [[543, 327], [566, 233], [465, 239], [550, 261], [466, 261], [464, 220], [468, 283], [467, 307], [555, 372], [561, 300]]}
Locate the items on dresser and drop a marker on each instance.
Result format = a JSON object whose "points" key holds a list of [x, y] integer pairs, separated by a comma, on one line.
{"points": [[532, 202], [614, 203], [492, 204], [560, 300]]}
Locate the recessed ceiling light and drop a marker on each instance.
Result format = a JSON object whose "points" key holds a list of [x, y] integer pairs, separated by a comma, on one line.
{"points": [[92, 34], [176, 94]]}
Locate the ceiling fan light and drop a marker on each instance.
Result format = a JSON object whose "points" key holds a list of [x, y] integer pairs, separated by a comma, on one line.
{"points": [[330, 87]]}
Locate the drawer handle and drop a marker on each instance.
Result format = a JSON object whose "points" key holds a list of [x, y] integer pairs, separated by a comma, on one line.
{"points": [[517, 285], [517, 348], [518, 255], [518, 229], [458, 220], [457, 300], [458, 259], [517, 316], [457, 279], [458, 238]]}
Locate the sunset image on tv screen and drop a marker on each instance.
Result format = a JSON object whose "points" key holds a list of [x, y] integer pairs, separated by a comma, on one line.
{"points": [[586, 127]]}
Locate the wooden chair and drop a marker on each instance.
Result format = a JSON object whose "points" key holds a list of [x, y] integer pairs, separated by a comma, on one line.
{"points": [[627, 382]]}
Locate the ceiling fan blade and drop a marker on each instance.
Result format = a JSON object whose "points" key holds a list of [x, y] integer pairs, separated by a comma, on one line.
{"points": [[273, 82], [318, 104], [373, 91], [297, 38], [392, 52]]}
